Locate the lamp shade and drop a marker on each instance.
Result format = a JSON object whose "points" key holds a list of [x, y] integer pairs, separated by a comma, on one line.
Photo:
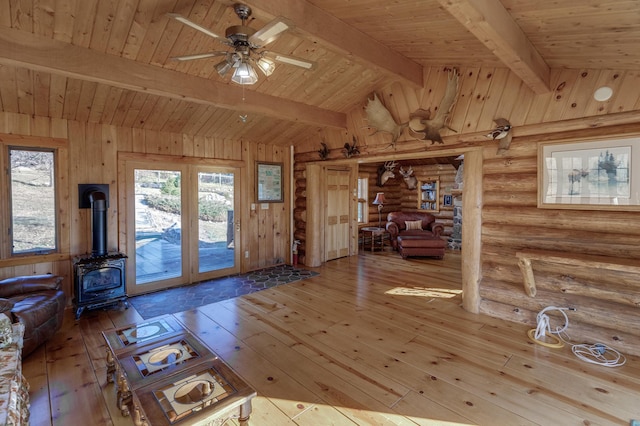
{"points": [[379, 199]]}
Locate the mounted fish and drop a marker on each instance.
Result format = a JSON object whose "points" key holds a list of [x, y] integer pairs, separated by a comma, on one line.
{"points": [[503, 133], [350, 150], [324, 151], [422, 126], [380, 119]]}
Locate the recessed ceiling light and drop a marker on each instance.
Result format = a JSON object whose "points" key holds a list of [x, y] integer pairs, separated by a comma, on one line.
{"points": [[603, 93]]}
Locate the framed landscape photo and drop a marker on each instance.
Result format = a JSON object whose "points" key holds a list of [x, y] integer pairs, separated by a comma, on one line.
{"points": [[590, 175], [269, 182]]}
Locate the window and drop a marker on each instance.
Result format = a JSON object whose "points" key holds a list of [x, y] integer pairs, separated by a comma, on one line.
{"points": [[33, 201], [31, 214], [363, 203]]}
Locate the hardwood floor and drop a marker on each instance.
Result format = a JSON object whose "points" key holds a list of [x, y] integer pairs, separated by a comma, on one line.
{"points": [[372, 340]]}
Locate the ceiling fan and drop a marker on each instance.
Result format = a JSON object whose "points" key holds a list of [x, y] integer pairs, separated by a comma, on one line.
{"points": [[248, 44]]}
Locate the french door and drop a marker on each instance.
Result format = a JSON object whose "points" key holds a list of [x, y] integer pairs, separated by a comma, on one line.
{"points": [[181, 224]]}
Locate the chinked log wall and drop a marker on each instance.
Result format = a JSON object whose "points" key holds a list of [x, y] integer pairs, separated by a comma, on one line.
{"points": [[606, 303]]}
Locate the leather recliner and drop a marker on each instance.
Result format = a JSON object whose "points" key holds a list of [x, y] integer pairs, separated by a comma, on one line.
{"points": [[396, 226], [38, 302]]}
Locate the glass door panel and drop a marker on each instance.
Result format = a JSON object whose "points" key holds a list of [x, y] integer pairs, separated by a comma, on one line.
{"points": [[158, 225], [216, 245]]}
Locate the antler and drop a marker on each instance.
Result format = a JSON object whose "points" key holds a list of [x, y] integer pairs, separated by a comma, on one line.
{"points": [[423, 126], [380, 119]]}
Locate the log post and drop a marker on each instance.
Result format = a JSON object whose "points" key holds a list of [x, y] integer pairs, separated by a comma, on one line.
{"points": [[472, 230]]}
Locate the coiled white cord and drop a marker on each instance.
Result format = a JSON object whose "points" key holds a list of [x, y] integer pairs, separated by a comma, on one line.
{"points": [[598, 353]]}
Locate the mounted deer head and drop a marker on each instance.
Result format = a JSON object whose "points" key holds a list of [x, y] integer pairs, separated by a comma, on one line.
{"points": [[411, 181], [385, 172]]}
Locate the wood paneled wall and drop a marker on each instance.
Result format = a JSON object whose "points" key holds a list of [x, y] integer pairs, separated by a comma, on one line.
{"points": [[606, 304], [93, 153]]}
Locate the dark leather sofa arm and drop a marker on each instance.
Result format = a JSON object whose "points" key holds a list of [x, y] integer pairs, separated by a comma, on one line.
{"points": [[392, 229], [6, 305], [437, 229], [29, 284]]}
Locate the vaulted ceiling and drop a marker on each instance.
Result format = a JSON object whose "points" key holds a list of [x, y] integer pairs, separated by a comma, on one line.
{"points": [[109, 61]]}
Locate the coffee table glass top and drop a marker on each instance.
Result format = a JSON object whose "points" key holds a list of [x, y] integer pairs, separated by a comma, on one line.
{"points": [[182, 398], [137, 334]]}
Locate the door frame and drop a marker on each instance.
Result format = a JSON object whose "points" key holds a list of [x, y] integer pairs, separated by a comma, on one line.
{"points": [[126, 240], [471, 212]]}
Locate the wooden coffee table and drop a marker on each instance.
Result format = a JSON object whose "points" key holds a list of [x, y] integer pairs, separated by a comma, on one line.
{"points": [[165, 375]]}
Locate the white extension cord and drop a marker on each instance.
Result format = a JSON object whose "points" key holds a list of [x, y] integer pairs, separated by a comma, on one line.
{"points": [[598, 353]]}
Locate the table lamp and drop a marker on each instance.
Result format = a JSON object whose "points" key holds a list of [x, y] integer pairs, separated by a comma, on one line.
{"points": [[379, 201]]}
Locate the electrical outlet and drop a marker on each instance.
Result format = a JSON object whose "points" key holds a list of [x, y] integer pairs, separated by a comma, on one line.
{"points": [[246, 254]]}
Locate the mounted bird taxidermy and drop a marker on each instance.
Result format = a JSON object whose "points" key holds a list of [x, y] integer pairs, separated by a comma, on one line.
{"points": [[380, 119], [422, 126], [351, 150], [324, 151], [385, 172], [502, 132], [409, 179]]}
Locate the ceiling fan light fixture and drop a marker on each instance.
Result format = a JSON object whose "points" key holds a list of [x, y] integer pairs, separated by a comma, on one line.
{"points": [[267, 66], [244, 74], [223, 67]]}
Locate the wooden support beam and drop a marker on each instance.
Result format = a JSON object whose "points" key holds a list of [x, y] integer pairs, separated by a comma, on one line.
{"points": [[23, 49], [343, 38], [494, 26]]}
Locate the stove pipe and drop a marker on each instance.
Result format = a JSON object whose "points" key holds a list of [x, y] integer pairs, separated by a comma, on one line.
{"points": [[98, 201]]}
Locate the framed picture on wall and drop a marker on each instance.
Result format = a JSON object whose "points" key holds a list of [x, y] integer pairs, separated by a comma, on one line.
{"points": [[590, 175], [269, 182], [447, 200]]}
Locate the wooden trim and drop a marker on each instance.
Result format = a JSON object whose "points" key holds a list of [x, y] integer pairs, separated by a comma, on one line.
{"points": [[161, 158], [23, 140], [62, 198], [31, 260], [315, 209]]}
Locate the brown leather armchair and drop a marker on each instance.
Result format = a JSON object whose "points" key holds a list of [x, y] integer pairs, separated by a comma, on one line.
{"points": [[38, 302], [396, 226]]}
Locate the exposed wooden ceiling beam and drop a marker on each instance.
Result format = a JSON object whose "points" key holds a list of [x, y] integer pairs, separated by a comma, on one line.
{"points": [[23, 49], [492, 24], [343, 38]]}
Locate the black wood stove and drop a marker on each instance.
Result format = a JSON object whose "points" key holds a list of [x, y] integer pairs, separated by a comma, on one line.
{"points": [[99, 278]]}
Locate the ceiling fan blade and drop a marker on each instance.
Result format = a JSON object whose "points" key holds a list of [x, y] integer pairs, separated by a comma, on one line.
{"points": [[270, 31], [199, 56], [195, 26], [291, 60]]}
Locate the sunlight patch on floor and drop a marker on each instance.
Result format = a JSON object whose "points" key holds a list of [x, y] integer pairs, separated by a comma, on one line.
{"points": [[439, 293]]}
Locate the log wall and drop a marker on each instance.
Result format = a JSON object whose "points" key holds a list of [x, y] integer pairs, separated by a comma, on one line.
{"points": [[606, 304], [93, 152]]}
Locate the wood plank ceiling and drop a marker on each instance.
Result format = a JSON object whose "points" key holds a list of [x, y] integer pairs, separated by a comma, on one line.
{"points": [[109, 61]]}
